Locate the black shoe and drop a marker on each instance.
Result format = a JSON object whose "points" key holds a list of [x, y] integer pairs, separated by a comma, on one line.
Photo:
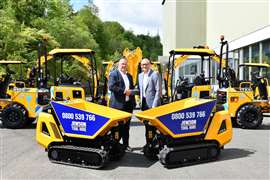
{"points": [[128, 149]]}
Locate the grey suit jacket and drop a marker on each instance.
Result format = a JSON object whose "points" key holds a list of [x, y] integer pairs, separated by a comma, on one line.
{"points": [[153, 89]]}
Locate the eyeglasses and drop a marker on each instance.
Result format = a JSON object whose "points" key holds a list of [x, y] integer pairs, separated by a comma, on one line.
{"points": [[145, 64]]}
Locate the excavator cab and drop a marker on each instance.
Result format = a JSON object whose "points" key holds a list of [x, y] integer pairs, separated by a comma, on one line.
{"points": [[63, 86], [192, 80]]}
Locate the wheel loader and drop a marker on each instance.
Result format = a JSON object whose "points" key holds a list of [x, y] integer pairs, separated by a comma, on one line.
{"points": [[185, 131], [246, 100], [21, 105]]}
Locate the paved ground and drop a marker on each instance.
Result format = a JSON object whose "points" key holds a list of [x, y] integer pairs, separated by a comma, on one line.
{"points": [[246, 157]]}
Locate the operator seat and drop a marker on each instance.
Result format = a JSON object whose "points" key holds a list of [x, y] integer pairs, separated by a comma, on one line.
{"points": [[4, 85], [262, 87], [261, 83], [200, 80]]}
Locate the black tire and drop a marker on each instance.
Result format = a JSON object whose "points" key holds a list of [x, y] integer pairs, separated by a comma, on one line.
{"points": [[235, 123], [249, 116], [14, 117]]}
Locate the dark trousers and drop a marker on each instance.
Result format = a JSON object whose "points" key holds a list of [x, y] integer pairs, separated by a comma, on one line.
{"points": [[124, 128], [144, 104], [148, 128]]}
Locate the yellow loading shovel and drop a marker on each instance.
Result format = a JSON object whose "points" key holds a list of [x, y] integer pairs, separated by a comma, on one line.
{"points": [[81, 133], [186, 131]]}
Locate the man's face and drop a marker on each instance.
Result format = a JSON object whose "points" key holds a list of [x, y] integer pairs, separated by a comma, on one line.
{"points": [[145, 65], [122, 66]]}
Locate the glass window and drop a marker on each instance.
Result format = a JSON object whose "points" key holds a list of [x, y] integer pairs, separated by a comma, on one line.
{"points": [[236, 60], [245, 71], [214, 72], [245, 60], [266, 52], [255, 53], [246, 55]]}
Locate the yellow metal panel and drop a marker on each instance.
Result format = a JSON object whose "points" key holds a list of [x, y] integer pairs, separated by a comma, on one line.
{"points": [[213, 130], [54, 134], [179, 60], [66, 51], [28, 98], [243, 97], [195, 51], [67, 91], [11, 62], [134, 58], [196, 90]]}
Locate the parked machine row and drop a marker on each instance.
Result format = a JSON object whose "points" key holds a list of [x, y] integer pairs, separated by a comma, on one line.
{"points": [[192, 125]]}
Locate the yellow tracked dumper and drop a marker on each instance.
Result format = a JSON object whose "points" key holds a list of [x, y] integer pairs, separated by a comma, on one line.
{"points": [[81, 133], [186, 131]]}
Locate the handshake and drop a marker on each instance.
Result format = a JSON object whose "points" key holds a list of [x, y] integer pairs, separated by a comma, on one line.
{"points": [[129, 92]]}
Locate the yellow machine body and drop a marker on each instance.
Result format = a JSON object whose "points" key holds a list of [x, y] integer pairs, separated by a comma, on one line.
{"points": [[56, 132], [81, 133], [16, 84], [67, 92], [172, 109], [187, 131], [26, 97], [201, 91], [134, 58], [245, 103]]}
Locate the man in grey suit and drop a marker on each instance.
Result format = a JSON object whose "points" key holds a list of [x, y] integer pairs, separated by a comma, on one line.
{"points": [[150, 93], [149, 86]]}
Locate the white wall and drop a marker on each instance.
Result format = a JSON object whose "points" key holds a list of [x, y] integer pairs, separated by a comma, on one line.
{"points": [[190, 23], [235, 18], [169, 26], [187, 23]]}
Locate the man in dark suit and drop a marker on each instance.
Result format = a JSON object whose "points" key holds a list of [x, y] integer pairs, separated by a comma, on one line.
{"points": [[122, 96]]}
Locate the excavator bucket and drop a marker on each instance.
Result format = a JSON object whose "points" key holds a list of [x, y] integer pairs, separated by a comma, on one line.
{"points": [[81, 133]]}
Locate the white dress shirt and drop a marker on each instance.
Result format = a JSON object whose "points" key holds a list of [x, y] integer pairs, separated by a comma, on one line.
{"points": [[126, 81], [145, 81]]}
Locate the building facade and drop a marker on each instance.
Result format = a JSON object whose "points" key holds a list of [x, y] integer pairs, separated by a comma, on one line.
{"points": [[245, 24]]}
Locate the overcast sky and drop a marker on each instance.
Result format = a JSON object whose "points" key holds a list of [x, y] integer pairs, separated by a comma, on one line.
{"points": [[141, 16]]}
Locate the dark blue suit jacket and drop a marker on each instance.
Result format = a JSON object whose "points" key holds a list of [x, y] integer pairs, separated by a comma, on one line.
{"points": [[117, 87]]}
